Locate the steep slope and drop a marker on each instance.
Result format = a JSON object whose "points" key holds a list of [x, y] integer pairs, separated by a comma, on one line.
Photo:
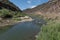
{"points": [[8, 5]]}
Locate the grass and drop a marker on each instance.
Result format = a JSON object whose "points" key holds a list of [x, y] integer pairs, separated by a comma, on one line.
{"points": [[16, 19], [50, 31]]}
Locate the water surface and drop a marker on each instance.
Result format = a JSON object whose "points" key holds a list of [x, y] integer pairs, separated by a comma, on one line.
{"points": [[21, 31]]}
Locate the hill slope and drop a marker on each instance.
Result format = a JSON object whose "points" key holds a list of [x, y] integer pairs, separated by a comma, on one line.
{"points": [[8, 5], [51, 9], [46, 7]]}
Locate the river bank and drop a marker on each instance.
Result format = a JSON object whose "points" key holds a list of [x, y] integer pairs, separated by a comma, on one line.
{"points": [[28, 24], [4, 23], [24, 30]]}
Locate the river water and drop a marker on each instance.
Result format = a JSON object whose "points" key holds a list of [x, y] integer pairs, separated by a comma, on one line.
{"points": [[21, 31]]}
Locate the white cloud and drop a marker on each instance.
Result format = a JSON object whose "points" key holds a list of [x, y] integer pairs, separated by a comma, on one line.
{"points": [[32, 6], [29, 2]]}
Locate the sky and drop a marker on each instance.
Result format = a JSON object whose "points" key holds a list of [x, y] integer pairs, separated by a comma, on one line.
{"points": [[24, 4]]}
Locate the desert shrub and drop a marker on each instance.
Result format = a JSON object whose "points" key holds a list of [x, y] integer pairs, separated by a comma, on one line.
{"points": [[7, 16], [50, 32]]}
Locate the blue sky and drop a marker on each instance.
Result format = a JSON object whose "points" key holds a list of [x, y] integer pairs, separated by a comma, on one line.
{"points": [[24, 4]]}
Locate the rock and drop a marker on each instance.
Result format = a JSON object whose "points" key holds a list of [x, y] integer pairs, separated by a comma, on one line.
{"points": [[26, 17]]}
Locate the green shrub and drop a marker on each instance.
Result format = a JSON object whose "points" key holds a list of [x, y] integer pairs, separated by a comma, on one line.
{"points": [[3, 12], [50, 32]]}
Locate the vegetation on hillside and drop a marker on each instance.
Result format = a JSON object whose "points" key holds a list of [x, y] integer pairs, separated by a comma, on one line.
{"points": [[6, 14]]}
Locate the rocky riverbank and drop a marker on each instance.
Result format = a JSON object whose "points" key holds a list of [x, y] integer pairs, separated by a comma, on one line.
{"points": [[14, 21]]}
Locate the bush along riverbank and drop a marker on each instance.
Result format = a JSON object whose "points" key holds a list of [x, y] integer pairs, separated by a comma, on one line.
{"points": [[8, 17], [51, 31]]}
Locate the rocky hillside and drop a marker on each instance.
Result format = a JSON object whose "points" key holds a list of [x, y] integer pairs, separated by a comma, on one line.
{"points": [[8, 5], [51, 9]]}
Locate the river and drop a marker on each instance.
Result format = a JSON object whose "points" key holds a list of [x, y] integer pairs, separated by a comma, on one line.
{"points": [[21, 31]]}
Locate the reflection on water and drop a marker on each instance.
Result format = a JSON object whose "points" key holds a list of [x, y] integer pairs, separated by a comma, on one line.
{"points": [[21, 31]]}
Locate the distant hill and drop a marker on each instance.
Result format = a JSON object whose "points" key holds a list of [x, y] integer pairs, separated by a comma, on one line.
{"points": [[51, 9], [45, 7]]}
